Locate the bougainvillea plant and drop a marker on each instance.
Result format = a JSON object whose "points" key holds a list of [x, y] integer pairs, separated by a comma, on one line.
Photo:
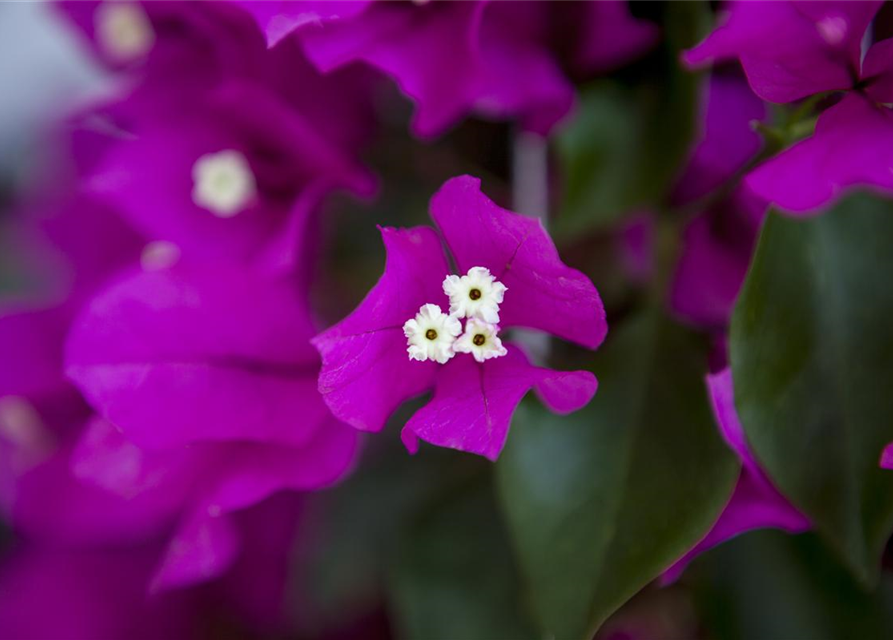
{"points": [[254, 252], [400, 341]]}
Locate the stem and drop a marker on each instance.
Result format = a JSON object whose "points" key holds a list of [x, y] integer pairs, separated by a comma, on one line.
{"points": [[530, 179], [530, 196]]}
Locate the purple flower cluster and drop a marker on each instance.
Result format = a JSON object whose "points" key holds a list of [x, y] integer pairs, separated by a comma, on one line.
{"points": [[170, 394], [821, 56], [164, 382], [494, 59], [367, 372], [820, 53], [162, 388]]}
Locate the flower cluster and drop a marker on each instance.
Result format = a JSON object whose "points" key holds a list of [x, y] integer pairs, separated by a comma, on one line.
{"points": [[366, 373], [850, 144], [434, 335], [182, 373], [494, 59], [162, 393]]}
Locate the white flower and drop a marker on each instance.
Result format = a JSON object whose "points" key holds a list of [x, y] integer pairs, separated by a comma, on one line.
{"points": [[123, 30], [475, 295], [480, 340], [223, 183], [159, 255], [22, 427], [431, 334]]}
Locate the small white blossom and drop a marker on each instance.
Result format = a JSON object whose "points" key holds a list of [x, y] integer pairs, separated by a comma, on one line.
{"points": [[123, 30], [431, 334], [833, 29], [22, 426], [223, 183], [159, 255], [475, 295], [480, 340]]}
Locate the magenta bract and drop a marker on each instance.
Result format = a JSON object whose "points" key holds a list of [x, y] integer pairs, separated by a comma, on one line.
{"points": [[367, 374]]}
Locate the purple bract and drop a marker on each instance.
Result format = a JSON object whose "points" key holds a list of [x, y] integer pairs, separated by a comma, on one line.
{"points": [[367, 373]]}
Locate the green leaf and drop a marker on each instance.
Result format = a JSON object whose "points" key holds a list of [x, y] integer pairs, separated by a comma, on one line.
{"points": [[811, 349], [455, 576], [767, 585], [601, 501], [625, 145], [355, 538]]}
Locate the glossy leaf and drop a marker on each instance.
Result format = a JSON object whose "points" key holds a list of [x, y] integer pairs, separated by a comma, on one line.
{"points": [[771, 586], [357, 532], [601, 501], [455, 576], [811, 349]]}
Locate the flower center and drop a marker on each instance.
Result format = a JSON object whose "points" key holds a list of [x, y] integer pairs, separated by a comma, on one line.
{"points": [[223, 183], [431, 334], [481, 339], [477, 294], [123, 31], [159, 255], [832, 29]]}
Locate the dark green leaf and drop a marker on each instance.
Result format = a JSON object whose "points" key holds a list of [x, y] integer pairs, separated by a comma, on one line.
{"points": [[811, 349], [357, 526], [601, 501], [770, 586], [455, 577]]}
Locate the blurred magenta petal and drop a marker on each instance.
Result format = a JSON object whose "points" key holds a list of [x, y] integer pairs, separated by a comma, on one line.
{"points": [[149, 177], [244, 474], [635, 246], [820, 50], [544, 96], [31, 344], [727, 141], [473, 402], [203, 548], [717, 247], [191, 44], [280, 18], [887, 457], [852, 146], [87, 595], [432, 52], [43, 499], [339, 104], [182, 355], [105, 458], [491, 59], [366, 373], [544, 293], [149, 180], [91, 239], [612, 36], [221, 477]]}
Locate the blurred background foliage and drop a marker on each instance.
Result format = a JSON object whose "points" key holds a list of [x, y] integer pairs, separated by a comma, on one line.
{"points": [[568, 532]]}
